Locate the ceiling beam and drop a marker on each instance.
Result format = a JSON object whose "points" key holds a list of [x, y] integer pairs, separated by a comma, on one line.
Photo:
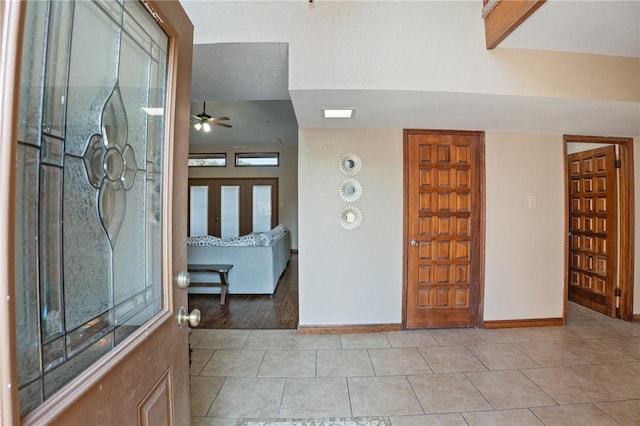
{"points": [[505, 16]]}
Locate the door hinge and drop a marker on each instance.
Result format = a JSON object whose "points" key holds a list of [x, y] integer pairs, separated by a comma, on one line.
{"points": [[618, 292], [617, 164]]}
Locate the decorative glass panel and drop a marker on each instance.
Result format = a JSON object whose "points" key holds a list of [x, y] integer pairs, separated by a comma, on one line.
{"points": [[229, 211], [89, 184], [198, 210], [261, 208]]}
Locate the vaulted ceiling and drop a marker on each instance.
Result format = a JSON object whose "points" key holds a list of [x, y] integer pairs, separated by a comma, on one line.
{"points": [[231, 76]]}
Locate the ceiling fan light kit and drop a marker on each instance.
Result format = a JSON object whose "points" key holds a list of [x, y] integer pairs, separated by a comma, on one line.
{"points": [[203, 121]]}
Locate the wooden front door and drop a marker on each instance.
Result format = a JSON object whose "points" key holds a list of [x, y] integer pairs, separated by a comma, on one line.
{"points": [[94, 212], [444, 232], [593, 229]]}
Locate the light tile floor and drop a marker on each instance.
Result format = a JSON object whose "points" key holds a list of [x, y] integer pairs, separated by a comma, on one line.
{"points": [[586, 373]]}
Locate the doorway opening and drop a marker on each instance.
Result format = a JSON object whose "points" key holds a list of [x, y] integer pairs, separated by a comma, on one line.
{"points": [[599, 214]]}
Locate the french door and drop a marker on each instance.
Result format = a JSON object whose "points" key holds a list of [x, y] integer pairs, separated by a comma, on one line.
{"points": [[92, 238], [228, 207]]}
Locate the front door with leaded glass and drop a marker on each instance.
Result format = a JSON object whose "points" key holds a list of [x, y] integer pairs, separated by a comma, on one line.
{"points": [[96, 337]]}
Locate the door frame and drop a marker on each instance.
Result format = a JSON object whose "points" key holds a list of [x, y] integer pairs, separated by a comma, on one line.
{"points": [[626, 214], [12, 15], [179, 29], [481, 220]]}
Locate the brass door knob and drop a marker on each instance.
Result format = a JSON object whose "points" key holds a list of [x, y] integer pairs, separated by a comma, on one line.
{"points": [[183, 279], [183, 317]]}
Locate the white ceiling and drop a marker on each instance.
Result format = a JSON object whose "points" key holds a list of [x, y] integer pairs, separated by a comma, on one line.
{"points": [[226, 73], [604, 27]]}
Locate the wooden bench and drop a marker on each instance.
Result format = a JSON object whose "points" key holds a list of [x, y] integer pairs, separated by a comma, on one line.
{"points": [[222, 270]]}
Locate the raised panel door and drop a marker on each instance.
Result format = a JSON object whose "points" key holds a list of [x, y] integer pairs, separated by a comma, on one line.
{"points": [[444, 234], [593, 229]]}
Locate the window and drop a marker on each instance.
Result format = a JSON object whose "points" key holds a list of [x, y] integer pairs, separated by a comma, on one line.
{"points": [[257, 159], [208, 160]]}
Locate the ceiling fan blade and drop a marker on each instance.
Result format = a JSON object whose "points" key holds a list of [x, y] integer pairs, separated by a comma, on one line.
{"points": [[220, 118], [222, 124]]}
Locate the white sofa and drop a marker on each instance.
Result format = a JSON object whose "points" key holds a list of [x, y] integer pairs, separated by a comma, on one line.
{"points": [[256, 269]]}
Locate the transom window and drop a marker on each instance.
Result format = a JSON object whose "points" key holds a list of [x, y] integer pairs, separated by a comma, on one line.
{"points": [[257, 159]]}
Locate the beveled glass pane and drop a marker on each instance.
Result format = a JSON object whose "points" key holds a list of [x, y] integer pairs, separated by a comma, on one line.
{"points": [[55, 77], [261, 208], [58, 377], [93, 159], [31, 75], [134, 87], [198, 210], [53, 354], [111, 208], [128, 308], [153, 235], [230, 211], [52, 151], [147, 23], [51, 251], [87, 252], [93, 73], [129, 249], [114, 124], [85, 335], [26, 264]]}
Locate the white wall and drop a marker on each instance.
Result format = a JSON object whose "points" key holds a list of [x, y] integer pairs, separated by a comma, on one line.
{"points": [[355, 277], [524, 246], [350, 277], [287, 175], [408, 45]]}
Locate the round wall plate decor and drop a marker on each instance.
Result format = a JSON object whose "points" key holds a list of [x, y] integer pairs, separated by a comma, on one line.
{"points": [[350, 217], [350, 190], [350, 164]]}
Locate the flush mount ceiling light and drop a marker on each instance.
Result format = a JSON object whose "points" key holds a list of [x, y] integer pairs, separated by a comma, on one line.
{"points": [[338, 112]]}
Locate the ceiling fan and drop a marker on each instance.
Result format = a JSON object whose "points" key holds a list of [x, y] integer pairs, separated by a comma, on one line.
{"points": [[203, 120]]}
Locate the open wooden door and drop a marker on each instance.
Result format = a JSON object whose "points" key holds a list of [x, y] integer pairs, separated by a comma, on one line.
{"points": [[93, 173], [593, 214], [445, 228]]}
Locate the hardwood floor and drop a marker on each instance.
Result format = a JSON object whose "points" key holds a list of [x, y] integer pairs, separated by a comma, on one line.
{"points": [[253, 311]]}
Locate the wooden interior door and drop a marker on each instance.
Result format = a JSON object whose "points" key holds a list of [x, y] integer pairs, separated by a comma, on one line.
{"points": [[593, 229], [118, 217], [444, 230]]}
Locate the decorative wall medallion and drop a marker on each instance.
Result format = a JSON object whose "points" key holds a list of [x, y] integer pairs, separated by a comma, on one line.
{"points": [[350, 217], [350, 164], [350, 190]]}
